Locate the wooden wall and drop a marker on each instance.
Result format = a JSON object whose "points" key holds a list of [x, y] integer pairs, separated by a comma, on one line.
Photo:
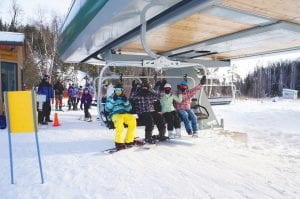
{"points": [[196, 28]]}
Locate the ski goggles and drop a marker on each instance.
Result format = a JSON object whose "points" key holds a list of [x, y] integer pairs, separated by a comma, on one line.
{"points": [[183, 87], [118, 91]]}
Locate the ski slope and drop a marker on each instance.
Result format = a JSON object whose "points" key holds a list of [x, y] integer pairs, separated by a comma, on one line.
{"points": [[257, 156]]}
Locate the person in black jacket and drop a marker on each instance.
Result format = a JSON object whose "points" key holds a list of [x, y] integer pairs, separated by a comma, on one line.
{"points": [[58, 90], [45, 88], [144, 102]]}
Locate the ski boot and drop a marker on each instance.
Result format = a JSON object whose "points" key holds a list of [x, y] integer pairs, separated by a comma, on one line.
{"points": [[120, 146]]}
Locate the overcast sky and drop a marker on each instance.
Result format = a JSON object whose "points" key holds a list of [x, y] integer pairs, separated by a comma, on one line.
{"points": [[31, 8]]}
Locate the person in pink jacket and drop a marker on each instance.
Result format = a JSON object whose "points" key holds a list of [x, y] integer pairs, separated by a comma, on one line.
{"points": [[184, 107]]}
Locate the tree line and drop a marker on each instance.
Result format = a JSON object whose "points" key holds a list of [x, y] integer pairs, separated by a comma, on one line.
{"points": [[270, 80]]}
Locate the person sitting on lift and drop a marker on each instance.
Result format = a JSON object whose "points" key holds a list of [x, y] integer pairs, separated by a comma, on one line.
{"points": [[184, 107], [144, 100], [118, 105], [169, 112]]}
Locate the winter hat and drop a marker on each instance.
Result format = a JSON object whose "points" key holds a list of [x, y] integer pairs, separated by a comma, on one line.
{"points": [[118, 85], [184, 83], [167, 86]]}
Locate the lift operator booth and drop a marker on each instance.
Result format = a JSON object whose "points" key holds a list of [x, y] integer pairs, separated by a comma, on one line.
{"points": [[12, 54]]}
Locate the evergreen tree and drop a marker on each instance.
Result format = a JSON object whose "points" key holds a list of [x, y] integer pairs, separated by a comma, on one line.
{"points": [[270, 81]]}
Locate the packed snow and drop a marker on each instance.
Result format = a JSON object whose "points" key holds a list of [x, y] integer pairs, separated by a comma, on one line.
{"points": [[257, 155]]}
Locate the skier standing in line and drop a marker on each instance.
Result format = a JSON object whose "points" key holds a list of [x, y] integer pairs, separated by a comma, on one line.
{"points": [[45, 88], [86, 100], [58, 90], [73, 92], [79, 95]]}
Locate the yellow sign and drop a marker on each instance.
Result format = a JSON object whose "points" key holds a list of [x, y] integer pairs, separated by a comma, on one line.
{"points": [[8, 52], [20, 112]]}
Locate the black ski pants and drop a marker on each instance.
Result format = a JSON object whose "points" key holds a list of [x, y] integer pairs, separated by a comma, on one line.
{"points": [[149, 119], [44, 115], [86, 112], [173, 120]]}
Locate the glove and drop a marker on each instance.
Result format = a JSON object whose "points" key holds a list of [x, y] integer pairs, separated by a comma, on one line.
{"points": [[161, 88], [157, 85], [185, 78], [115, 97], [124, 98], [203, 80], [134, 86]]}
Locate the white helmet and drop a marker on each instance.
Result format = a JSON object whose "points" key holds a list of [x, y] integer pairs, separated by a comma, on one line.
{"points": [[167, 86]]}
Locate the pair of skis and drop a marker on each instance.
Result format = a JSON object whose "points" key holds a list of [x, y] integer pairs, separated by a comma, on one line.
{"points": [[141, 144], [137, 143]]}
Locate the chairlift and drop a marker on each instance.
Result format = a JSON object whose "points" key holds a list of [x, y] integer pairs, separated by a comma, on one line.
{"points": [[151, 60], [103, 115], [219, 93]]}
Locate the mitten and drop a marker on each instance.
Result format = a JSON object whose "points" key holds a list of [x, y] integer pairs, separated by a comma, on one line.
{"points": [[124, 98], [203, 80], [162, 84], [115, 97], [134, 86], [157, 85]]}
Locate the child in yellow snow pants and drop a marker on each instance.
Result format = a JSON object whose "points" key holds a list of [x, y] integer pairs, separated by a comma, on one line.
{"points": [[119, 120]]}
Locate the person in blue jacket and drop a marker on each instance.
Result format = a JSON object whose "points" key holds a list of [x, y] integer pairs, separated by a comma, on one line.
{"points": [[119, 109], [45, 88]]}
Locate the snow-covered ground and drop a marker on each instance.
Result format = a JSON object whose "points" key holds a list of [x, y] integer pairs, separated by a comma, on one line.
{"points": [[260, 160]]}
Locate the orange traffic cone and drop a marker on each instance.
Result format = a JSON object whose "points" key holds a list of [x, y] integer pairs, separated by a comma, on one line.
{"points": [[56, 123]]}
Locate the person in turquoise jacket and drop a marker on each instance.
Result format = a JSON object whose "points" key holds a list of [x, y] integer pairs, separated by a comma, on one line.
{"points": [[169, 112], [119, 107]]}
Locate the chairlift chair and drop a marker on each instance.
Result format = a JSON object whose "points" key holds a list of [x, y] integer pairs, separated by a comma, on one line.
{"points": [[200, 111]]}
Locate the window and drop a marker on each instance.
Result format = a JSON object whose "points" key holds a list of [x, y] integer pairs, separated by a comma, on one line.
{"points": [[9, 76]]}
